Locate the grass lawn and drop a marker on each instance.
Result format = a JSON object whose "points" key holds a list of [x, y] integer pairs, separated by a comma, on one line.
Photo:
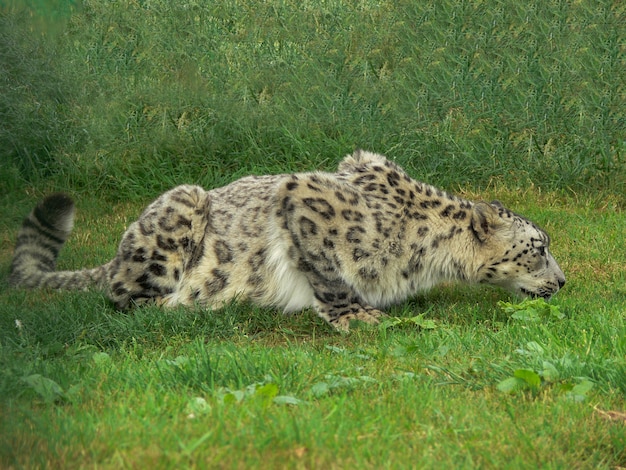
{"points": [[116, 102]]}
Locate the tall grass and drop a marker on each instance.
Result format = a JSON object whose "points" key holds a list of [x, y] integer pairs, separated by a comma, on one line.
{"points": [[36, 103], [142, 95]]}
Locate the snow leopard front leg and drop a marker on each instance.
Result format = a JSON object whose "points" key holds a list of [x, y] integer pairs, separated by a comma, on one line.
{"points": [[309, 219], [159, 247], [337, 303]]}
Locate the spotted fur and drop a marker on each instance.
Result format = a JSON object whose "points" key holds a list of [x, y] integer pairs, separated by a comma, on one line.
{"points": [[344, 243]]}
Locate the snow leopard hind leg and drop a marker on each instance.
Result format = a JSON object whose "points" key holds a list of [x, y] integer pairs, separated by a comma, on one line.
{"points": [[157, 249]]}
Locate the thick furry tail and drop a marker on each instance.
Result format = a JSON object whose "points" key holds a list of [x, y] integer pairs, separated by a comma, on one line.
{"points": [[39, 241]]}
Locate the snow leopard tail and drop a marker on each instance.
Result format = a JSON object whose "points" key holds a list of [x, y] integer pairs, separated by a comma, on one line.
{"points": [[41, 237]]}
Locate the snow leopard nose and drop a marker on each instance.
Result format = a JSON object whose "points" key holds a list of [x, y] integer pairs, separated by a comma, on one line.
{"points": [[561, 283]]}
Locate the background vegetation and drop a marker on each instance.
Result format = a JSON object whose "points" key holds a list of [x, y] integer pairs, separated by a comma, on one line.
{"points": [[128, 97], [116, 101]]}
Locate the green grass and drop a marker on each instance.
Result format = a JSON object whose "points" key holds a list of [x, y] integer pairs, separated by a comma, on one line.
{"points": [[136, 96], [118, 101], [194, 388]]}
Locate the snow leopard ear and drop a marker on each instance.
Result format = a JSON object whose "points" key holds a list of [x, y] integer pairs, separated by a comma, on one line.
{"points": [[485, 221]]}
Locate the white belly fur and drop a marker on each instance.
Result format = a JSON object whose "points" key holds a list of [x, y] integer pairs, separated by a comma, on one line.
{"points": [[288, 287]]}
